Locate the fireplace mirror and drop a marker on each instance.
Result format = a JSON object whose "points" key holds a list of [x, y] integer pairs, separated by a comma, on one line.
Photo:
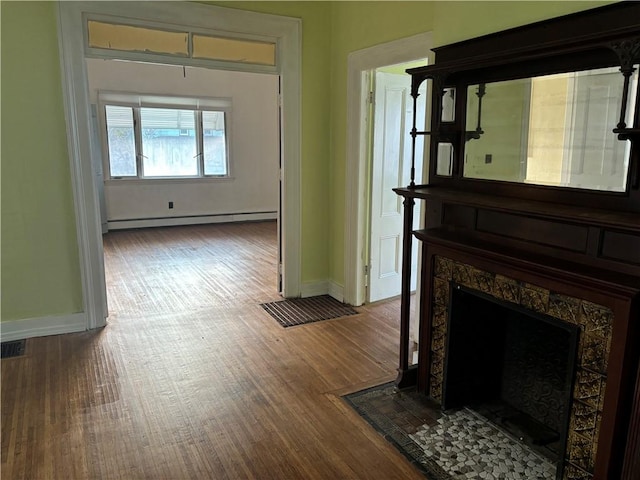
{"points": [[548, 111], [554, 130]]}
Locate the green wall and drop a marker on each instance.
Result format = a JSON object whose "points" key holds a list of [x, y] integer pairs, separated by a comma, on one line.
{"points": [[316, 72], [40, 265], [358, 25], [456, 21]]}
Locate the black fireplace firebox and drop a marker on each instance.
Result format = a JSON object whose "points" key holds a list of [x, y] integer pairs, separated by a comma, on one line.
{"points": [[514, 366]]}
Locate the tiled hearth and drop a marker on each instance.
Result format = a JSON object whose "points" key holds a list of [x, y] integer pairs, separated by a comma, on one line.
{"points": [[468, 446], [594, 322], [454, 445]]}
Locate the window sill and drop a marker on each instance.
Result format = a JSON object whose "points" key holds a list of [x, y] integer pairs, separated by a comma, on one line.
{"points": [[166, 181]]}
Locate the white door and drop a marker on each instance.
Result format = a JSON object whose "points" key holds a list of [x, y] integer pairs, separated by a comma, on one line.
{"points": [[391, 165], [596, 158]]}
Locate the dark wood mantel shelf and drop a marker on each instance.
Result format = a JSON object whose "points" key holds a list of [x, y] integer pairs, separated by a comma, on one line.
{"points": [[604, 242], [626, 221], [613, 282]]}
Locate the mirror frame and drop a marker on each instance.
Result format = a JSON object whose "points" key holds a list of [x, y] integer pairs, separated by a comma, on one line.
{"points": [[606, 36], [494, 131]]}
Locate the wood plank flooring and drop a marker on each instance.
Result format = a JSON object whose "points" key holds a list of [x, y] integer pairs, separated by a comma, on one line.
{"points": [[191, 379], [162, 270]]}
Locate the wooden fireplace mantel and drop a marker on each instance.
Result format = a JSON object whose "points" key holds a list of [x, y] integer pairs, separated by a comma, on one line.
{"points": [[563, 251], [568, 251]]}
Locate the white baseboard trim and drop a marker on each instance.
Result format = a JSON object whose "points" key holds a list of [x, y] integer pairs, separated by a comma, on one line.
{"points": [[325, 287], [336, 291], [191, 220], [42, 326]]}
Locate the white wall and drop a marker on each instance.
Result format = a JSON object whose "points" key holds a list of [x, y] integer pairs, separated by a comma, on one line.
{"points": [[253, 143]]}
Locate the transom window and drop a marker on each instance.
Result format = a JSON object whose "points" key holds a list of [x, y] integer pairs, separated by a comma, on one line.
{"points": [[132, 38], [165, 137]]}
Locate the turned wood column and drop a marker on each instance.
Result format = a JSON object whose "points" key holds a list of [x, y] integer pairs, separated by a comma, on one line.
{"points": [[406, 375]]}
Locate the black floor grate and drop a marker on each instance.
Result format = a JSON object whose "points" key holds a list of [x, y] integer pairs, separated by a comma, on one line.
{"points": [[13, 349], [298, 311]]}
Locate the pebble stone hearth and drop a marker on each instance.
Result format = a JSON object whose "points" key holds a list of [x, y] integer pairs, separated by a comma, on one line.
{"points": [[469, 447]]}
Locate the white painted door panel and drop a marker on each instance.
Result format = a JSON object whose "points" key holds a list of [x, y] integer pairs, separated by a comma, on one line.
{"points": [[595, 154], [391, 165]]}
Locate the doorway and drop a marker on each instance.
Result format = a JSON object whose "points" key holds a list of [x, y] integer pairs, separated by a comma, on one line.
{"points": [[178, 199], [359, 64], [205, 19], [391, 149]]}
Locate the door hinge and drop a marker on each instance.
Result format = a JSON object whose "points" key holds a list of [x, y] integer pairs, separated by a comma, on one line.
{"points": [[366, 275], [370, 98]]}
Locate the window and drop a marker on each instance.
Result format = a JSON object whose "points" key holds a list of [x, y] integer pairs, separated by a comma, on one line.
{"points": [[234, 50], [136, 39], [122, 145], [131, 38], [165, 137]]}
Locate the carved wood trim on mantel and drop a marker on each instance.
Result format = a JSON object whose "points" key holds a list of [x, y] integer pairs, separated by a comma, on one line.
{"points": [[604, 244]]}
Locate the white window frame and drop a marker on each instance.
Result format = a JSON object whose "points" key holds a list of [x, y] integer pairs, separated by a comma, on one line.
{"points": [[138, 101]]}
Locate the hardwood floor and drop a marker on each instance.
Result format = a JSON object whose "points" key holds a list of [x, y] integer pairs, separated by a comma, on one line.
{"points": [[191, 379], [162, 270]]}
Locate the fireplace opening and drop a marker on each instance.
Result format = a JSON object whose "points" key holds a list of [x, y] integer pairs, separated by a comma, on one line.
{"points": [[513, 366]]}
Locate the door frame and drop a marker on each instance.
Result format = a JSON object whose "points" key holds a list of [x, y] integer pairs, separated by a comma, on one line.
{"points": [[374, 120], [71, 41], [358, 64]]}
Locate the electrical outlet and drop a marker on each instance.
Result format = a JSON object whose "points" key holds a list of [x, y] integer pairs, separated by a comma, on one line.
{"points": [[170, 204]]}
